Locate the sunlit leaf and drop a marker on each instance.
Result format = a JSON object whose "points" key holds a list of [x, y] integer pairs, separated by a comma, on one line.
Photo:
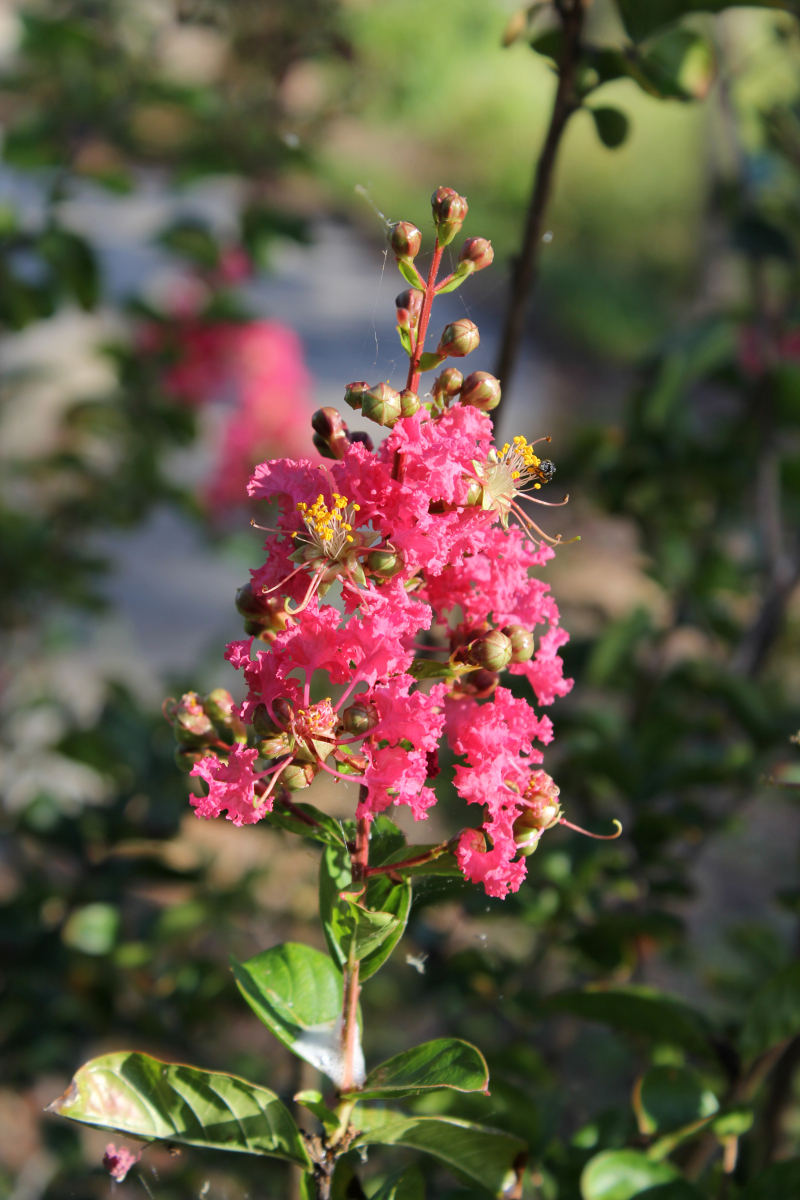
{"points": [[443, 1063], [622, 1174], [374, 924]]}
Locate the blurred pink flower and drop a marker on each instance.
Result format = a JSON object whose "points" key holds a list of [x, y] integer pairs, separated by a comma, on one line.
{"points": [[119, 1161]]}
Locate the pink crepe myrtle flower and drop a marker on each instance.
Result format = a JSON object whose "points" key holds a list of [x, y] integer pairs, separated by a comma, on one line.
{"points": [[119, 1160]]}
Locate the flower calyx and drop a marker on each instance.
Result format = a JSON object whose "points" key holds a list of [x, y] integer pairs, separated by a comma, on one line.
{"points": [[449, 213], [203, 725], [542, 811]]}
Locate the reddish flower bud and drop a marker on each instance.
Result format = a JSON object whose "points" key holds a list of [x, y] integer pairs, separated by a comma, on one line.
{"points": [[360, 717], [330, 433], [449, 211], [409, 306], [481, 390], [521, 642], [479, 684], [381, 404], [385, 563], [266, 615], [478, 251], [458, 339], [298, 775], [409, 403], [405, 239], [353, 393], [492, 651], [283, 711], [448, 383], [363, 438]]}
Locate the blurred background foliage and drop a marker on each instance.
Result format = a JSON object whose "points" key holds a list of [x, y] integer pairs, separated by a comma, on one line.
{"points": [[663, 354]]}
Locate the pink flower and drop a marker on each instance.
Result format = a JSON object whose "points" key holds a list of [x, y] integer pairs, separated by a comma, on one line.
{"points": [[119, 1161], [230, 787]]}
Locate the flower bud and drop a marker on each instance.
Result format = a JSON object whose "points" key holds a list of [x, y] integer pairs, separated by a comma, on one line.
{"points": [[449, 211], [481, 390], [479, 684], [478, 251], [266, 615], [283, 711], [360, 717], [492, 651], [185, 758], [409, 306], [473, 839], [448, 383], [263, 724], [191, 724], [353, 393], [521, 642], [363, 438], [298, 775], [405, 240], [330, 433], [458, 339], [409, 403], [385, 563], [381, 404]]}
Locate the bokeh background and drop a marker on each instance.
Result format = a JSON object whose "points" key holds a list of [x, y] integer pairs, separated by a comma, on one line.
{"points": [[193, 207]]}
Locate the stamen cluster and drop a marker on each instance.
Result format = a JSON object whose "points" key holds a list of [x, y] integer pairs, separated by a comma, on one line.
{"points": [[437, 599]]}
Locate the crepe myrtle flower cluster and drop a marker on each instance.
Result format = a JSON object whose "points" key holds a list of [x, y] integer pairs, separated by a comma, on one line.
{"points": [[436, 600]]}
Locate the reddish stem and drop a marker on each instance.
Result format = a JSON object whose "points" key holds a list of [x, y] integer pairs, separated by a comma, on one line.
{"points": [[424, 317], [387, 868]]}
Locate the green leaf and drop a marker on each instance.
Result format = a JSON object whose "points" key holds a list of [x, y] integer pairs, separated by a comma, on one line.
{"points": [[774, 1014], [669, 1097], [137, 1095], [92, 928], [638, 1010], [405, 338], [779, 1180], [297, 992], [462, 272], [425, 668], [443, 1063], [485, 1156], [411, 274], [678, 1189], [643, 17], [680, 64], [429, 362], [444, 863], [621, 1174], [324, 828], [403, 1185], [313, 1102], [734, 1122], [376, 924], [612, 126]]}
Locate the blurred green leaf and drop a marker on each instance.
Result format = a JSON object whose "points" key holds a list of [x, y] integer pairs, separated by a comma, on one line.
{"points": [[678, 1189], [680, 64], [612, 126], [92, 929], [443, 1063], [669, 1097], [488, 1157], [778, 1182], [320, 826], [643, 17], [622, 1174], [774, 1014], [404, 1185], [137, 1095], [638, 1010]]}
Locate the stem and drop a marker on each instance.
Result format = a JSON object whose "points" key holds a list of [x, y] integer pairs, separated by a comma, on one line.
{"points": [[526, 269], [424, 317], [388, 868], [359, 863]]}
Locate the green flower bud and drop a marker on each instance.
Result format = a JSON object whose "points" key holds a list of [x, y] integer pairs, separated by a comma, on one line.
{"points": [[481, 390], [448, 383], [409, 403], [360, 717], [521, 642], [191, 724], [218, 705], [458, 339], [405, 240], [353, 393], [263, 724], [449, 211], [491, 651], [385, 563], [477, 251], [298, 775], [381, 404]]}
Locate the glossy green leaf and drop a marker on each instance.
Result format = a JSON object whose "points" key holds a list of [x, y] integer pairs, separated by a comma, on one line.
{"points": [[429, 362], [621, 1174], [612, 126], [137, 1095], [668, 1097], [485, 1156], [774, 1014], [375, 924], [403, 1185], [317, 825], [443, 1063], [778, 1182], [411, 274], [638, 1010], [297, 992]]}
